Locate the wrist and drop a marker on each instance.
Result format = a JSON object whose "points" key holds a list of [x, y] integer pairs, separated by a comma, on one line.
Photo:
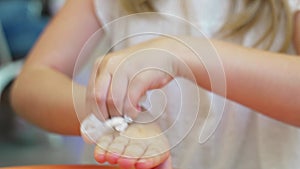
{"points": [[193, 61]]}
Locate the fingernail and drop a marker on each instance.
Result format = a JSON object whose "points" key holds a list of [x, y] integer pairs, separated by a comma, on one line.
{"points": [[100, 158], [112, 158]]}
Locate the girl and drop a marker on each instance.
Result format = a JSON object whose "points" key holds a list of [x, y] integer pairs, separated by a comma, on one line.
{"points": [[245, 139]]}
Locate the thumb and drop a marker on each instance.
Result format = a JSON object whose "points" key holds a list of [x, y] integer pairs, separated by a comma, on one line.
{"points": [[143, 82], [297, 32]]}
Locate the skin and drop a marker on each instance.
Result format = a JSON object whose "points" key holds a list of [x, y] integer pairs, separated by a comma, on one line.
{"points": [[50, 65], [49, 105], [258, 79], [136, 148]]}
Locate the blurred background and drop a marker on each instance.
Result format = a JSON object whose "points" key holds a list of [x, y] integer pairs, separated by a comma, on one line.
{"points": [[21, 22]]}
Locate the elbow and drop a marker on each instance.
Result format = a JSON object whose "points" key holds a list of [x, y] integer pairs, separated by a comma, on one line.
{"points": [[20, 96]]}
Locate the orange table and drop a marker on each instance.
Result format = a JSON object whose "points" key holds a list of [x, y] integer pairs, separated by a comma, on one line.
{"points": [[62, 167]]}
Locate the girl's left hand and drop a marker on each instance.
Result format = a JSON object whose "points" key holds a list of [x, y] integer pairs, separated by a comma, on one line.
{"points": [[120, 79]]}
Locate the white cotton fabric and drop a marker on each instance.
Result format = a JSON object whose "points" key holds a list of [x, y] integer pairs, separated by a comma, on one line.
{"points": [[245, 139]]}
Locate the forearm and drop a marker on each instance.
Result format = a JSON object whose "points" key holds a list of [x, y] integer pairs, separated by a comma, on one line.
{"points": [[44, 97], [42, 92], [264, 81]]}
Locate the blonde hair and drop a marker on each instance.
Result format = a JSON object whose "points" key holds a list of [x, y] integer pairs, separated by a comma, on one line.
{"points": [[241, 21], [137, 6]]}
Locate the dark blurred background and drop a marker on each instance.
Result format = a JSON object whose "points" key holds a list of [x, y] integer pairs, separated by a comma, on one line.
{"points": [[21, 22]]}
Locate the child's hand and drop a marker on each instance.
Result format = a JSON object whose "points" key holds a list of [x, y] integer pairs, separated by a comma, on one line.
{"points": [[121, 78]]}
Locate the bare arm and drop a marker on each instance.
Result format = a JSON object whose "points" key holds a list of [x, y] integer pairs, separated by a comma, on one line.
{"points": [[267, 82], [42, 93], [264, 81]]}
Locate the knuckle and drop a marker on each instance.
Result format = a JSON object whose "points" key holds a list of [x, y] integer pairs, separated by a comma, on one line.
{"points": [[99, 99], [90, 98], [110, 102], [111, 61]]}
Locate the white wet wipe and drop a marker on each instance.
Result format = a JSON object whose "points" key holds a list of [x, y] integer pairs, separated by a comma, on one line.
{"points": [[92, 128]]}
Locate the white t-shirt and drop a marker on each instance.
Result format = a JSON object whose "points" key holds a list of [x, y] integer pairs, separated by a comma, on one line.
{"points": [[244, 139]]}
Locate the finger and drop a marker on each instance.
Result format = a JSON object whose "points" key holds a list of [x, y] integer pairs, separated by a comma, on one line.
{"points": [[297, 32], [136, 90], [91, 104], [132, 153], [118, 85], [139, 85], [101, 90], [116, 149], [158, 160], [117, 93], [101, 147]]}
